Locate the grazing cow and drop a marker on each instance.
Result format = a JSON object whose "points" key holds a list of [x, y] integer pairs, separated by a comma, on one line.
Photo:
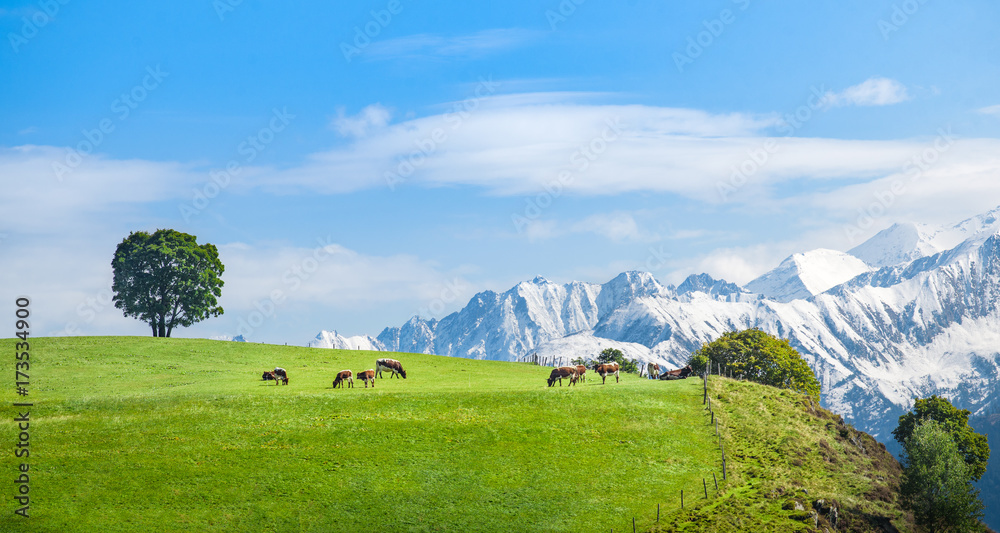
{"points": [[366, 376], [606, 369], [391, 365], [342, 376], [679, 373], [568, 372], [267, 375], [279, 378], [653, 370], [581, 373]]}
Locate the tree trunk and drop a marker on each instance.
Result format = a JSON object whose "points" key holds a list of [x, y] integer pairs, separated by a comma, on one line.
{"points": [[152, 324], [163, 328]]}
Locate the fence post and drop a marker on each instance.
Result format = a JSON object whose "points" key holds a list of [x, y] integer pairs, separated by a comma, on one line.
{"points": [[716, 482], [704, 484], [657, 513], [633, 524], [682, 498]]}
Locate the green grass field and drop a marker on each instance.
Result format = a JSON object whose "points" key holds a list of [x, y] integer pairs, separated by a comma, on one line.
{"points": [[143, 434]]}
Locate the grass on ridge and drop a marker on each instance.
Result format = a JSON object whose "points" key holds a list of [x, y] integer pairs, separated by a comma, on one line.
{"points": [[783, 450], [143, 434]]}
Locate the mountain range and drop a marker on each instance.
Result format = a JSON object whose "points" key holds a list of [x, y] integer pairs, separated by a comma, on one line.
{"points": [[913, 311]]}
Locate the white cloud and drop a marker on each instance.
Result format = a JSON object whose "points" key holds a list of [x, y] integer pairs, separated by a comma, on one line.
{"points": [[428, 46], [617, 227], [372, 117], [991, 110], [517, 145], [871, 92]]}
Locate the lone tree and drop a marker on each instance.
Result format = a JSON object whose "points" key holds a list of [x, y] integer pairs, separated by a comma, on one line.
{"points": [[614, 355], [166, 279], [757, 356], [937, 483], [973, 446]]}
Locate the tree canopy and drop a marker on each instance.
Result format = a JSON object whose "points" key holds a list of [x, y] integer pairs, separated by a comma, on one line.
{"points": [[614, 355], [937, 484], [757, 356], [166, 279], [974, 448]]}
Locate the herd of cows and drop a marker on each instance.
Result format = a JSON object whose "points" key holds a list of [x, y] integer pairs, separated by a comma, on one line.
{"points": [[572, 373]]}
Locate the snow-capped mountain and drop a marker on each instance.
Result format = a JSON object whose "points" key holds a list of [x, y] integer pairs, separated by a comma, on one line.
{"points": [[332, 339], [808, 274], [923, 317]]}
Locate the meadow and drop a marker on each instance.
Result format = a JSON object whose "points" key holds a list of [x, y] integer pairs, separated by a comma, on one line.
{"points": [[144, 434]]}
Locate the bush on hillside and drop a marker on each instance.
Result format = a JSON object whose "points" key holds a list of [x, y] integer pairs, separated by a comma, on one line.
{"points": [[756, 356]]}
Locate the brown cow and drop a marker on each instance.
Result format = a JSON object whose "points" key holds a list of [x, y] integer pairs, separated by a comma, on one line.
{"points": [[282, 378], [679, 373], [563, 372], [391, 365], [366, 376], [606, 369], [653, 370], [581, 373], [342, 376]]}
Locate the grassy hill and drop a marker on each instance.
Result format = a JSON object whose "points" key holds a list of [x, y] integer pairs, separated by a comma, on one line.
{"points": [[142, 434]]}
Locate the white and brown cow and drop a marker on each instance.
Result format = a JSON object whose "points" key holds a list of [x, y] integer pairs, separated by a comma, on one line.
{"points": [[654, 370], [366, 376], [342, 376], [605, 370], [568, 372], [581, 373], [279, 378], [391, 365]]}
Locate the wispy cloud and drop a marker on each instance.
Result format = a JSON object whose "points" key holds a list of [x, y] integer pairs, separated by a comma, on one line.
{"points": [[515, 146], [616, 226], [991, 110], [871, 92], [462, 46]]}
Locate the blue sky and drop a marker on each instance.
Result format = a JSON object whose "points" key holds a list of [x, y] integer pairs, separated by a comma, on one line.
{"points": [[392, 158]]}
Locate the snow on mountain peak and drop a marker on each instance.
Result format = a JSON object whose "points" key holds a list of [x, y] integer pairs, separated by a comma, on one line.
{"points": [[807, 274], [897, 244], [332, 339], [905, 242]]}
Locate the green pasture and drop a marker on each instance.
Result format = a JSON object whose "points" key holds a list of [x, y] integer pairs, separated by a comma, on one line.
{"points": [[144, 434]]}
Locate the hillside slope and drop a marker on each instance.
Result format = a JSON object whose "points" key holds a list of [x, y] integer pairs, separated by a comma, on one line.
{"points": [[793, 466]]}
